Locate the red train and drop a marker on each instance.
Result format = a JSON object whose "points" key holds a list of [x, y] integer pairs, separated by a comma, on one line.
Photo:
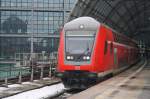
{"points": [[89, 50]]}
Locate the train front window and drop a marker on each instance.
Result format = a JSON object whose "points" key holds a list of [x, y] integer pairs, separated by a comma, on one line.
{"points": [[79, 45]]}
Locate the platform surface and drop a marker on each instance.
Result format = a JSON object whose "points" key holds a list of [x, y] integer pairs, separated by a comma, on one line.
{"points": [[131, 84], [14, 89]]}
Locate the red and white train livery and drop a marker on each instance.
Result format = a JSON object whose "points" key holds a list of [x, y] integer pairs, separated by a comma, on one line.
{"points": [[89, 50]]}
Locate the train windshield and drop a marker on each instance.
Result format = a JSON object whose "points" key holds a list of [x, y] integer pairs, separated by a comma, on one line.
{"points": [[79, 45]]}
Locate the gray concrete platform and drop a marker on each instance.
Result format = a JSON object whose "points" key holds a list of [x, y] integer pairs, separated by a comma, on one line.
{"points": [[14, 89], [131, 84]]}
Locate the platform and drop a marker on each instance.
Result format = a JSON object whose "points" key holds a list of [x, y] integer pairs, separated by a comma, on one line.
{"points": [[131, 84], [26, 86]]}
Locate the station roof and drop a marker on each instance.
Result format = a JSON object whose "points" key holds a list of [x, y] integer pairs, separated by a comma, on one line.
{"points": [[131, 17]]}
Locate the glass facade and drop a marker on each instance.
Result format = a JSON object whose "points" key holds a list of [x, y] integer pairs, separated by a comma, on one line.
{"points": [[22, 19]]}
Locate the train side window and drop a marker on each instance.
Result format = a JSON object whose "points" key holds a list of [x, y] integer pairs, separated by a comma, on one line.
{"points": [[105, 49], [111, 47], [114, 37], [117, 38]]}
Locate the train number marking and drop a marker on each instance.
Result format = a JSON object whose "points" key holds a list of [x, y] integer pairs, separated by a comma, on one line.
{"points": [[77, 68]]}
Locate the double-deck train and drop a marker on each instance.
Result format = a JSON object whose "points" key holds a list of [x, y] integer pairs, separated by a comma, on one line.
{"points": [[90, 50]]}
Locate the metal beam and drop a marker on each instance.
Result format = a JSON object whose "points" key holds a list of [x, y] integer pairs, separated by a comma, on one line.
{"points": [[131, 16], [136, 14], [89, 5], [111, 11], [135, 4], [29, 35], [30, 9], [143, 30], [121, 17]]}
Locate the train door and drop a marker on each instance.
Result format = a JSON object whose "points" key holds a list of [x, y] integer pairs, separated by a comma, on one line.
{"points": [[115, 58]]}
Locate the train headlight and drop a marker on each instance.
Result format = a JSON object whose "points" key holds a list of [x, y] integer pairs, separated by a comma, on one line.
{"points": [[68, 57], [86, 57], [71, 57]]}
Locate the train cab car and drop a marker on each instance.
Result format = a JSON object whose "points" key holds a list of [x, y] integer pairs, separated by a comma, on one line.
{"points": [[88, 50]]}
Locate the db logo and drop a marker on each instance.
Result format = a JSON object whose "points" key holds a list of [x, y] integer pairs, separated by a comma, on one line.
{"points": [[77, 68]]}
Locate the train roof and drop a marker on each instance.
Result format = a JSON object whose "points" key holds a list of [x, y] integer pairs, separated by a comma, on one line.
{"points": [[87, 23], [114, 31]]}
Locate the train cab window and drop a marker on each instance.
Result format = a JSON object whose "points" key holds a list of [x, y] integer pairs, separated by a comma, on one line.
{"points": [[105, 48], [79, 45]]}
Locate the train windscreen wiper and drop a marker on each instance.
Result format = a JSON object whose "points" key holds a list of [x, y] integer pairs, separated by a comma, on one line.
{"points": [[84, 53]]}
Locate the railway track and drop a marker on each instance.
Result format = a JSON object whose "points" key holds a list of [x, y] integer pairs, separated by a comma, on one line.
{"points": [[67, 93]]}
